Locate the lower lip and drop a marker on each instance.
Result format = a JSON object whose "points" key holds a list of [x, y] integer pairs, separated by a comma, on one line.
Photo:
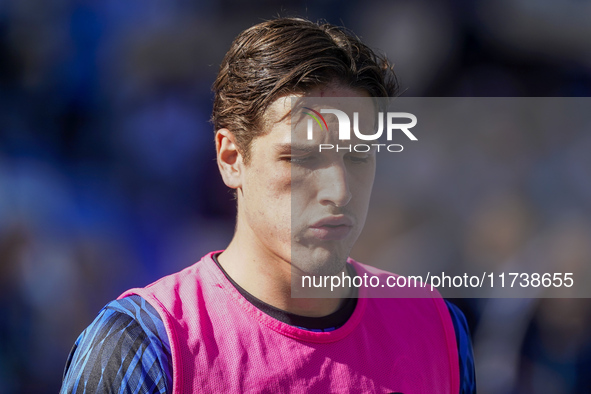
{"points": [[337, 233]]}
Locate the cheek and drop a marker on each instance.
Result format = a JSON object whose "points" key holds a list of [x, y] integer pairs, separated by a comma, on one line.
{"points": [[361, 188], [269, 201], [270, 185], [363, 180]]}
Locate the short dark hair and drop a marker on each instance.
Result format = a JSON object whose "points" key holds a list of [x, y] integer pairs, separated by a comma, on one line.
{"points": [[290, 55]]}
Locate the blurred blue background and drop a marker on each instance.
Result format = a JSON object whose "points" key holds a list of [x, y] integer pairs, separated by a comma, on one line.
{"points": [[108, 179]]}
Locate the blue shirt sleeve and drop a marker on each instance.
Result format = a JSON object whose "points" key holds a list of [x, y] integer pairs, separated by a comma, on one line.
{"points": [[465, 353], [124, 350]]}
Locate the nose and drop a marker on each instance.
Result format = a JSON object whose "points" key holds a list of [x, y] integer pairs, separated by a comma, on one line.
{"points": [[334, 186]]}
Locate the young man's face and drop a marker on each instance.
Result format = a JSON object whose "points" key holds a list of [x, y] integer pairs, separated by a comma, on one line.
{"points": [[304, 206]]}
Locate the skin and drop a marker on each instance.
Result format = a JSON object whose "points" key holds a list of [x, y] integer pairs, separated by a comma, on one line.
{"points": [[283, 192]]}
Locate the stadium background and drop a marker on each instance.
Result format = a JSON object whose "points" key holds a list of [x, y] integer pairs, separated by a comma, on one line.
{"points": [[107, 178]]}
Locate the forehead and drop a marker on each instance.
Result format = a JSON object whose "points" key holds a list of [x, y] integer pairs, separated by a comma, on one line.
{"points": [[280, 110]]}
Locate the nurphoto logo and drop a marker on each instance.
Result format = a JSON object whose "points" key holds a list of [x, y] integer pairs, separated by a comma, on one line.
{"points": [[345, 129]]}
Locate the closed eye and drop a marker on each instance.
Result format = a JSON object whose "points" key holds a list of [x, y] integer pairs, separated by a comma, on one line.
{"points": [[358, 159], [299, 159]]}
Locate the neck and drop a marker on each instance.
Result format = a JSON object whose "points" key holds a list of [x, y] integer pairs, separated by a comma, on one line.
{"points": [[267, 276]]}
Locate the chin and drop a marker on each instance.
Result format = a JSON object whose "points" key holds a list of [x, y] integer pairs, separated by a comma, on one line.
{"points": [[319, 261]]}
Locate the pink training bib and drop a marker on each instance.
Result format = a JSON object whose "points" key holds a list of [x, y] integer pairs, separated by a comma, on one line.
{"points": [[221, 343]]}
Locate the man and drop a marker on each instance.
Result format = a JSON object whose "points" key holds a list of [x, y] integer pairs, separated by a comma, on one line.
{"points": [[229, 322]]}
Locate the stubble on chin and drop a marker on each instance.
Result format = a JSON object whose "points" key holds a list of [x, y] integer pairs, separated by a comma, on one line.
{"points": [[323, 262]]}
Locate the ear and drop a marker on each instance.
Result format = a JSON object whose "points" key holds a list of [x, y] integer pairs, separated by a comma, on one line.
{"points": [[229, 158]]}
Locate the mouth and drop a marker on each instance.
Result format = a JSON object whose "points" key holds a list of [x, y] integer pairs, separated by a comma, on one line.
{"points": [[332, 228]]}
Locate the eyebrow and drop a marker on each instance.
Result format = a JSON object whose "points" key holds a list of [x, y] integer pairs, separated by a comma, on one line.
{"points": [[294, 148]]}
